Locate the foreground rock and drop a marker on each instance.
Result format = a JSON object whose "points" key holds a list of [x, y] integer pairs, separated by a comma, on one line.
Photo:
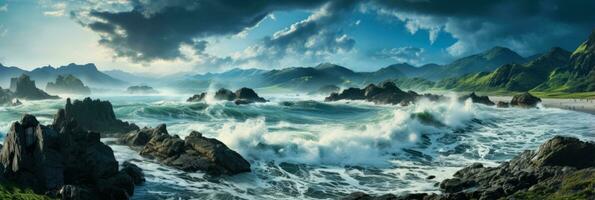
{"points": [[525, 100], [23, 87], [387, 93], [141, 89], [68, 85], [63, 160], [194, 153], [95, 115], [241, 96], [562, 168], [477, 99]]}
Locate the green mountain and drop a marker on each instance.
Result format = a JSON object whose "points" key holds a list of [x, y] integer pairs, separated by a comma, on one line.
{"points": [[511, 77], [555, 71], [579, 76]]}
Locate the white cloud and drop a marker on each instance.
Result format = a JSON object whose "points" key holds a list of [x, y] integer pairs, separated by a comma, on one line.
{"points": [[56, 10]]}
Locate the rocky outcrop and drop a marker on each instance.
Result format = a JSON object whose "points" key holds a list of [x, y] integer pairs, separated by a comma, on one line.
{"points": [[525, 100], [66, 161], [241, 96], [194, 153], [67, 85], [94, 115], [141, 89], [502, 104], [387, 93], [562, 168], [23, 87], [477, 99]]}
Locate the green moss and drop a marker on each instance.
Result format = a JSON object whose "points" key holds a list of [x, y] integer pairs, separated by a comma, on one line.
{"points": [[581, 49], [578, 185], [11, 191]]}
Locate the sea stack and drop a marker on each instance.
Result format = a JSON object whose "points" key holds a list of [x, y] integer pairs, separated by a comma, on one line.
{"points": [[23, 87], [525, 100], [95, 115]]}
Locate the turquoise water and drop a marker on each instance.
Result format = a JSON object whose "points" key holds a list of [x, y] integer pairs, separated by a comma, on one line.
{"points": [[300, 147]]}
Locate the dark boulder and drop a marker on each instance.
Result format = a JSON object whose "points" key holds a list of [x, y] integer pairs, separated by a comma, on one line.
{"points": [[197, 97], [565, 151], [525, 100], [387, 93], [95, 115], [477, 99], [248, 95], [502, 104], [63, 159], [23, 87], [194, 153], [241, 96], [225, 94]]}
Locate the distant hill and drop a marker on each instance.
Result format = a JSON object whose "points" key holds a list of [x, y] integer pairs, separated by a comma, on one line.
{"points": [[6, 73], [486, 61], [512, 77], [555, 71], [87, 73]]}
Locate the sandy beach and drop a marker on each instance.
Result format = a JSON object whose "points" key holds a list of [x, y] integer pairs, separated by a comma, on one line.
{"points": [[581, 105]]}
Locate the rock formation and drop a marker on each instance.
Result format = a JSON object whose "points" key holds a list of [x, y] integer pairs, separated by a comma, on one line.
{"points": [[68, 85], [562, 168], [387, 93], [141, 89], [477, 99], [63, 160], [23, 87], [241, 96], [95, 115], [525, 100], [502, 104], [194, 153]]}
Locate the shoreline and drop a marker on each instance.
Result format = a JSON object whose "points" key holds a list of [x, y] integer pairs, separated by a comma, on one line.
{"points": [[579, 105]]}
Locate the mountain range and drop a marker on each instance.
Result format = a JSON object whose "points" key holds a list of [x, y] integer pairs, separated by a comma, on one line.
{"points": [[88, 73], [496, 69]]}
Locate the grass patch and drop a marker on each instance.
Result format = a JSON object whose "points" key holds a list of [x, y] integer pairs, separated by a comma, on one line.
{"points": [[575, 186], [12, 191]]}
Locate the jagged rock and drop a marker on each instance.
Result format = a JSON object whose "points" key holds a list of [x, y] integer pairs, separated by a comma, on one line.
{"points": [[23, 87], [64, 159], [477, 99], [525, 100], [387, 93], [225, 94], [559, 163], [241, 96], [141, 89], [135, 172], [502, 104], [194, 153], [247, 95], [95, 115], [69, 85]]}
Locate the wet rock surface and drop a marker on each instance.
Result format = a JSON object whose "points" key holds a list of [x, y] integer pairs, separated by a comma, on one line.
{"points": [[477, 99], [525, 100], [194, 153], [240, 96], [387, 93], [23, 87], [64, 160], [94, 115], [559, 164]]}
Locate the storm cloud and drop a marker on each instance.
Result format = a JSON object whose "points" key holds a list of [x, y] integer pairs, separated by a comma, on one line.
{"points": [[526, 26]]}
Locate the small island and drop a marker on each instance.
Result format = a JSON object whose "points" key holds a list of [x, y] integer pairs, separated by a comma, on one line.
{"points": [[67, 85], [141, 89]]}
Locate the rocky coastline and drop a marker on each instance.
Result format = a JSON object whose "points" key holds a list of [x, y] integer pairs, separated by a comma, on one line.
{"points": [[561, 168]]}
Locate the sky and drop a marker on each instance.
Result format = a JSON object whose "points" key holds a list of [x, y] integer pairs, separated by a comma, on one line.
{"points": [[195, 36]]}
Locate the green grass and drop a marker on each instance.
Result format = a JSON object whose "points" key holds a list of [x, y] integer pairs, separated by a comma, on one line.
{"points": [[11, 191], [578, 185]]}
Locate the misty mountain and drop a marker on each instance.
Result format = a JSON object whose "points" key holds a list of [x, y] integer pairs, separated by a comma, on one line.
{"points": [[9, 72], [88, 73], [129, 77]]}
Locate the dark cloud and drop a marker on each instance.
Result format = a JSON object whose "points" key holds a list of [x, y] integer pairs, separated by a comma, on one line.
{"points": [[527, 26], [155, 29]]}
